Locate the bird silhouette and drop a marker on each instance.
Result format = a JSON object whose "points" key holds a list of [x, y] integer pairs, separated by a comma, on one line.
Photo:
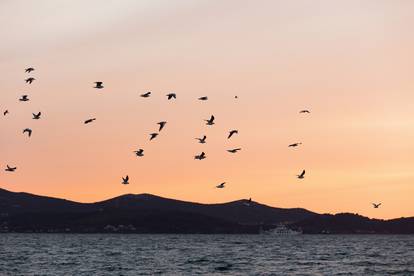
{"points": [[28, 130], [89, 121], [376, 206], [232, 132], [236, 97], [302, 175], [153, 135], [171, 96], [125, 180], [29, 80], [204, 98], [294, 145], [201, 156], [5, 112], [10, 169], [146, 95], [36, 116], [304, 111], [28, 70], [98, 85], [139, 152], [234, 150], [24, 98], [202, 140], [210, 121], [221, 186], [162, 125]]}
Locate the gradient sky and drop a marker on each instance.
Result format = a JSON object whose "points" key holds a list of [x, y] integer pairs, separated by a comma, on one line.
{"points": [[350, 62]]}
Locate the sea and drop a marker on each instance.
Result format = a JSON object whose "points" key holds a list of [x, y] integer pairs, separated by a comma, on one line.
{"points": [[137, 254]]}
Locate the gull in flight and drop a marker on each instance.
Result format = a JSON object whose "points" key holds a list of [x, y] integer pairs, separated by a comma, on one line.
{"points": [[234, 150], [30, 80], [210, 121], [304, 111], [201, 156], [220, 186], [98, 85], [10, 169], [302, 175], [171, 95], [139, 152], [202, 140], [28, 130], [125, 180], [5, 112], [204, 98], [162, 125], [232, 132], [28, 70], [24, 98], [36, 116], [153, 135], [89, 121], [146, 95], [294, 145], [376, 206]]}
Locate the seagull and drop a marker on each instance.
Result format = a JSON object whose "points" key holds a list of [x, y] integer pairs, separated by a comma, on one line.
{"points": [[302, 175], [201, 156], [162, 124], [204, 98], [232, 132], [98, 85], [304, 111], [234, 150], [202, 140], [10, 169], [24, 98], [153, 135], [146, 95], [210, 122], [220, 186], [28, 70], [171, 95], [125, 180], [30, 80], [36, 116], [139, 152], [294, 145], [89, 121], [5, 112], [376, 206], [28, 130]]}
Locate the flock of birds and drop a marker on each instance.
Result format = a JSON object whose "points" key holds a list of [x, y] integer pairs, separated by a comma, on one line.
{"points": [[162, 124]]}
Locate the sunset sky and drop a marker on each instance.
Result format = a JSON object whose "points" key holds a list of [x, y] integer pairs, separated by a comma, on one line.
{"points": [[350, 62]]}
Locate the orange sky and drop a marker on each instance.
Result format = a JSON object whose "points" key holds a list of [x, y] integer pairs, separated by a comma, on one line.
{"points": [[350, 62]]}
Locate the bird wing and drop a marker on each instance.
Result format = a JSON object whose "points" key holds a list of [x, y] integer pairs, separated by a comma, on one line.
{"points": [[303, 173]]}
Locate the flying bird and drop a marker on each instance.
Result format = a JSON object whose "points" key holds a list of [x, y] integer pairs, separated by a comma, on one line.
{"points": [[236, 97], [30, 80], [28, 70], [302, 175], [204, 98], [89, 121], [139, 152], [171, 95], [98, 85], [125, 180], [234, 150], [201, 156], [304, 111], [36, 116], [153, 135], [210, 121], [28, 130], [220, 186], [202, 140], [146, 95], [294, 145], [5, 112], [232, 132], [162, 125], [10, 169], [376, 206], [24, 98]]}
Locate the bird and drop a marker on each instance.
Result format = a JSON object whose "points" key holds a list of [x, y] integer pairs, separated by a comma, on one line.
{"points": [[202, 140], [146, 95], [236, 97], [304, 111], [162, 125], [376, 206], [171, 95], [294, 145], [28, 130], [210, 121], [24, 98], [89, 121], [30, 80], [98, 85], [201, 156], [302, 175], [36, 116], [204, 98], [232, 132], [153, 135], [10, 169], [28, 70], [220, 186], [139, 152], [125, 180], [5, 112], [234, 150]]}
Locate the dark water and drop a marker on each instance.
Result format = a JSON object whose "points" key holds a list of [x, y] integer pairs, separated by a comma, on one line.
{"points": [[70, 254]]}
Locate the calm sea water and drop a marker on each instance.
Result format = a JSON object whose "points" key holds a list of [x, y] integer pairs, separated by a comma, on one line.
{"points": [[85, 254]]}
